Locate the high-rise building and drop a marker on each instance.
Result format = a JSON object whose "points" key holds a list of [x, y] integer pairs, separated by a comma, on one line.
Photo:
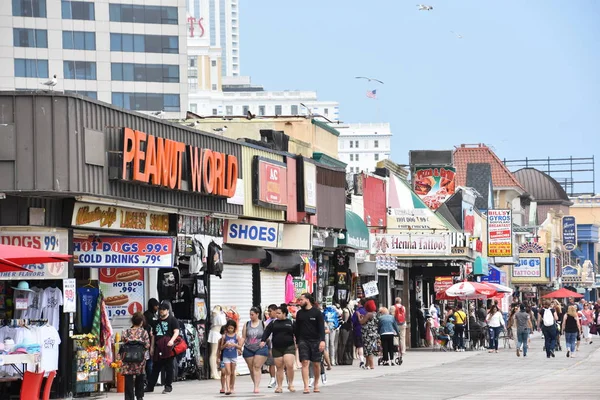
{"points": [[362, 146], [220, 18], [130, 55]]}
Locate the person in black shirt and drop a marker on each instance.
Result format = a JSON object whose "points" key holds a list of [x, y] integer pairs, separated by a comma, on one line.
{"points": [[284, 349], [150, 318], [165, 332], [310, 333]]}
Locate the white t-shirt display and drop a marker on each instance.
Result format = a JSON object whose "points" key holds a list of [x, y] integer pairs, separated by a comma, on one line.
{"points": [[52, 301], [49, 341]]}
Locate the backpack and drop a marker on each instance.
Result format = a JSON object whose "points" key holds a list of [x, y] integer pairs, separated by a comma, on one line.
{"points": [[400, 315], [548, 317], [133, 352], [215, 260]]}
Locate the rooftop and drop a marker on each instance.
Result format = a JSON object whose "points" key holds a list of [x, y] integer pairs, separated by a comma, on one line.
{"points": [[542, 186]]}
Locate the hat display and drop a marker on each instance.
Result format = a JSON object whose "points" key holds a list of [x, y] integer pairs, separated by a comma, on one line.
{"points": [[23, 286]]}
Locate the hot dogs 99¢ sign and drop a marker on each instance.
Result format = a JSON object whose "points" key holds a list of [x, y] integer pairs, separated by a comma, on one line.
{"points": [[123, 290]]}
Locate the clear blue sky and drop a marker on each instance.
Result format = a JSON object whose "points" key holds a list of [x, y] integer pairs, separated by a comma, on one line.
{"points": [[524, 79]]}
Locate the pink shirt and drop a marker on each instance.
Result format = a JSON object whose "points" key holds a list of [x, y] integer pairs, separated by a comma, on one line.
{"points": [[587, 316]]}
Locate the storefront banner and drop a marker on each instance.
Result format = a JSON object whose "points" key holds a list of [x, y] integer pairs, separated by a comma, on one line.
{"points": [[530, 267], [411, 244], [434, 184], [300, 287], [53, 240], [442, 283], [87, 215], [570, 271], [408, 219], [269, 183], [310, 186], [253, 233], [569, 232], [69, 296], [123, 290], [124, 252], [296, 237], [500, 238], [370, 289]]}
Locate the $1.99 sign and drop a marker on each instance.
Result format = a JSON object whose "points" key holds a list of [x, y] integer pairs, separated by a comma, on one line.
{"points": [[123, 290], [134, 252]]}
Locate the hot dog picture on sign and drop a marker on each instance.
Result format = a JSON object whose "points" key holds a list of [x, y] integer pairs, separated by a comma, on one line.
{"points": [[123, 290]]}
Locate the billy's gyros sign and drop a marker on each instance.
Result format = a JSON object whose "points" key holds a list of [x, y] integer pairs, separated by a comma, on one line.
{"points": [[167, 163]]}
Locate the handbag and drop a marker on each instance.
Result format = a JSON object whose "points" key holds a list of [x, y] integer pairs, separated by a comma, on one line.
{"points": [[133, 352], [180, 346], [593, 329]]}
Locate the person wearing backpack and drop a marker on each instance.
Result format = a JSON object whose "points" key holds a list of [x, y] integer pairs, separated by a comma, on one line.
{"points": [[133, 354], [547, 322], [400, 316]]}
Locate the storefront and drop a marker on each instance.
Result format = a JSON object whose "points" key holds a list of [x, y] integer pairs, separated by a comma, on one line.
{"points": [[535, 271]]}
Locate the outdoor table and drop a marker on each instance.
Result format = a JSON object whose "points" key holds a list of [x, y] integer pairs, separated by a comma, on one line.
{"points": [[15, 359]]}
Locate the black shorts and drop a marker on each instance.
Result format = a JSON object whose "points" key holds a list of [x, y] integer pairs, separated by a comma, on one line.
{"points": [[309, 351]]}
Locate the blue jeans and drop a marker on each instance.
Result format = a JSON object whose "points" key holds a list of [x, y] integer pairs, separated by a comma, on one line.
{"points": [[549, 333], [494, 334], [522, 339], [571, 339]]}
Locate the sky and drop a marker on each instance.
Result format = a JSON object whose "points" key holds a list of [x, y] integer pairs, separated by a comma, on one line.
{"points": [[524, 79]]}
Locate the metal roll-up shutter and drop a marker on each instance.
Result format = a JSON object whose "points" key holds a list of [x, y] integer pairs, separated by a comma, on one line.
{"points": [[272, 287], [235, 289]]}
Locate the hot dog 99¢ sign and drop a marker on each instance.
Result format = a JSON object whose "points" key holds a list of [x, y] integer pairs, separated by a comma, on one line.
{"points": [[123, 290]]}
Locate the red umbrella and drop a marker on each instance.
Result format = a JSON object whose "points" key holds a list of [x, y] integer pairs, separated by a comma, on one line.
{"points": [[561, 294], [12, 258]]}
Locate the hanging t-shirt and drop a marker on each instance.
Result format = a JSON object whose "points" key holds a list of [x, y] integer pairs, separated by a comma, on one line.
{"points": [[49, 342], [53, 299], [168, 281], [214, 260], [196, 258], [182, 304], [88, 299], [36, 300]]}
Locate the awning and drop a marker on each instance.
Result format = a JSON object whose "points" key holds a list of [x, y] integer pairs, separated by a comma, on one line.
{"points": [[357, 233], [242, 254], [282, 261]]}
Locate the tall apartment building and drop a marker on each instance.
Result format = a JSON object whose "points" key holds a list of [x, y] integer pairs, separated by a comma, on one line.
{"points": [[362, 146], [130, 55]]}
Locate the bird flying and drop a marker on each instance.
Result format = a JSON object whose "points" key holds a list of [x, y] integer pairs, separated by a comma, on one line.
{"points": [[457, 35], [369, 79], [423, 7], [50, 82]]}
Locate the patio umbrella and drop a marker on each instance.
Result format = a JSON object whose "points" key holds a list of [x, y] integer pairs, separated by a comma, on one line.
{"points": [[12, 258], [471, 290], [501, 289], [561, 294]]}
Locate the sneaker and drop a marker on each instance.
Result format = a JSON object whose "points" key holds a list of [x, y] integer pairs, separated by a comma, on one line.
{"points": [[518, 352], [167, 390], [272, 383], [568, 353], [361, 365], [552, 354], [324, 379], [524, 354], [573, 355], [311, 382]]}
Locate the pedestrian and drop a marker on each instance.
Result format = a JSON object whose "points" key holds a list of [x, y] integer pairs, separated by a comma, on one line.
{"points": [[421, 334], [272, 316], [370, 336], [283, 344], [511, 325], [220, 363], [254, 355], [495, 321], [165, 332], [231, 345], [388, 329], [571, 328], [357, 332], [560, 314], [137, 338], [310, 334], [400, 316], [150, 319], [524, 326], [460, 320], [547, 322], [587, 319]]}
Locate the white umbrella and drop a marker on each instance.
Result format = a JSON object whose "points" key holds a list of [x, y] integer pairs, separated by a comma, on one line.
{"points": [[471, 290]]}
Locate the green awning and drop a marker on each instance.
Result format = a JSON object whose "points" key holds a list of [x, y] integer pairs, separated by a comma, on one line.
{"points": [[357, 233]]}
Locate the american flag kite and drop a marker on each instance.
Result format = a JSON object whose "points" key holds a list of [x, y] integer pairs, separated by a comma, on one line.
{"points": [[372, 94]]}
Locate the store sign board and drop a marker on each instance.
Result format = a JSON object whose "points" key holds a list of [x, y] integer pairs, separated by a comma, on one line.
{"points": [[310, 186], [124, 252], [408, 219], [434, 184], [253, 233], [570, 271], [87, 215], [159, 162], [69, 296], [53, 240], [370, 289], [569, 232], [296, 237], [269, 183], [499, 233], [123, 290], [528, 267], [300, 287], [442, 283], [412, 244]]}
